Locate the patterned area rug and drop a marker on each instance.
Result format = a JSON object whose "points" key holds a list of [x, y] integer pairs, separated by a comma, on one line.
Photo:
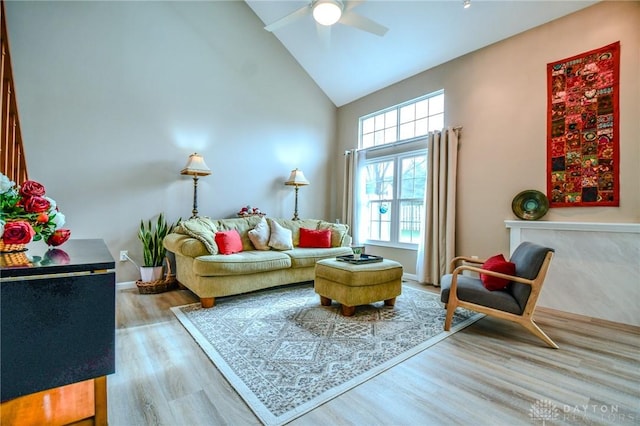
{"points": [[285, 354]]}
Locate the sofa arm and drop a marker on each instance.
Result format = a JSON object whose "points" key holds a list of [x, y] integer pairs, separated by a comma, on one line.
{"points": [[185, 245]]}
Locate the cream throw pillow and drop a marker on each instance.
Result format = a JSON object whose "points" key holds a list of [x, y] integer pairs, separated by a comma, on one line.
{"points": [[281, 238], [338, 232], [260, 234], [202, 229]]}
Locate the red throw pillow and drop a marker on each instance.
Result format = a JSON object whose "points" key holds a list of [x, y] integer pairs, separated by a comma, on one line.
{"points": [[228, 242], [312, 238], [497, 263]]}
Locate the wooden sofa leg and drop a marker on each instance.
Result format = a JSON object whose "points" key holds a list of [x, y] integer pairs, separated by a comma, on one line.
{"points": [[207, 302]]}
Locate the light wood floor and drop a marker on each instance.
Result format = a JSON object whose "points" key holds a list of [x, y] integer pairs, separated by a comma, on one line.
{"points": [[491, 373]]}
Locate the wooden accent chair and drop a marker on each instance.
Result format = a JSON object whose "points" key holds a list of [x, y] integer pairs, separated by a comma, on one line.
{"points": [[515, 303]]}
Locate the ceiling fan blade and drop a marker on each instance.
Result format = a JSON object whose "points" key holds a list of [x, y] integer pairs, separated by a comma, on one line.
{"points": [[293, 16], [365, 24], [348, 5]]}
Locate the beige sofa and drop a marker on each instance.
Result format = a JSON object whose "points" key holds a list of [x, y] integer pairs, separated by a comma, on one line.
{"points": [[209, 274]]}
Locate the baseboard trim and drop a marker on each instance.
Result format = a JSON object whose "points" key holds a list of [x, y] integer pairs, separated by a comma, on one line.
{"points": [[125, 285], [412, 277]]}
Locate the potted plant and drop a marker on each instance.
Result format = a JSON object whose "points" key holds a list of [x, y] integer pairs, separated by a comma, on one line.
{"points": [[153, 252]]}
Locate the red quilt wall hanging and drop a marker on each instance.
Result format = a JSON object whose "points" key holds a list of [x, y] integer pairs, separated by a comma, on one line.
{"points": [[582, 129]]}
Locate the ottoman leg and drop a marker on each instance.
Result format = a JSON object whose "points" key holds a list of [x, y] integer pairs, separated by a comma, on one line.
{"points": [[348, 311], [390, 302], [207, 302], [325, 301]]}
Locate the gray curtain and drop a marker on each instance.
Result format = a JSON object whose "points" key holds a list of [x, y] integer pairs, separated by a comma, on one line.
{"points": [[437, 244]]}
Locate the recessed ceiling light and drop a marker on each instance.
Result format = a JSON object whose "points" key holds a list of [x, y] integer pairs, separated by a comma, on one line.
{"points": [[466, 4]]}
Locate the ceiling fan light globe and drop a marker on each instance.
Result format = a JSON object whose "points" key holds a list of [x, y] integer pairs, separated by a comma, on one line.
{"points": [[327, 12]]}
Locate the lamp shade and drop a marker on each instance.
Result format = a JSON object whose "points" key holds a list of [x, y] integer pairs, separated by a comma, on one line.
{"points": [[327, 12], [196, 166], [297, 178]]}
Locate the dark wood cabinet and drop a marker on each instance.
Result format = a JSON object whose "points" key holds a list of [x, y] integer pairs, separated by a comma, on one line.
{"points": [[57, 321]]}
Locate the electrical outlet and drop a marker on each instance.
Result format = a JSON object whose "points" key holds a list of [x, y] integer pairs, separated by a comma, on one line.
{"points": [[124, 255]]}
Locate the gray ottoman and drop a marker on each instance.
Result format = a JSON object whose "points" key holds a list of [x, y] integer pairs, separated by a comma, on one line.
{"points": [[357, 284]]}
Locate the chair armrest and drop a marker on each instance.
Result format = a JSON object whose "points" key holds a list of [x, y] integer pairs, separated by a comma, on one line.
{"points": [[465, 259], [515, 278]]}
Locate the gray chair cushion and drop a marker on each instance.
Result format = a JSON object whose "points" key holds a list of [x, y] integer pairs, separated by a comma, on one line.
{"points": [[528, 258], [471, 290]]}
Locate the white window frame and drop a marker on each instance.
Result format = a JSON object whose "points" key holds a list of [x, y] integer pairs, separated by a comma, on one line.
{"points": [[395, 150], [384, 127], [395, 200]]}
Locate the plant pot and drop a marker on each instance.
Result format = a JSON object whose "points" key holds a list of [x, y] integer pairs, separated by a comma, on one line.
{"points": [[150, 273]]}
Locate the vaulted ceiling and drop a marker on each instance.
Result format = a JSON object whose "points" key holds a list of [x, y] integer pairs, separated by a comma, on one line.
{"points": [[351, 63]]}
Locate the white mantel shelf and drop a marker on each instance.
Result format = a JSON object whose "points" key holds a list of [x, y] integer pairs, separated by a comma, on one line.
{"points": [[595, 269], [575, 226]]}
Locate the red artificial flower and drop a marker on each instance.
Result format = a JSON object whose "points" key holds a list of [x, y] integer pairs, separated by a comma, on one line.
{"points": [[36, 204], [31, 188], [18, 232], [58, 237], [42, 218]]}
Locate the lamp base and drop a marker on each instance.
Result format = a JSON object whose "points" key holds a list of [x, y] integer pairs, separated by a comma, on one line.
{"points": [[194, 212], [295, 211]]}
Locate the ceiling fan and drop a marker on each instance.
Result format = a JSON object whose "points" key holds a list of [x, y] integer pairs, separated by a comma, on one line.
{"points": [[329, 12]]}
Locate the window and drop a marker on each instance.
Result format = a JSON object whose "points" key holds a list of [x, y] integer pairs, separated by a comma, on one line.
{"points": [[409, 120], [393, 172]]}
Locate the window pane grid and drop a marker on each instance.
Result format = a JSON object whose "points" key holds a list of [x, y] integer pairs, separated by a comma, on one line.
{"points": [[392, 207], [380, 223], [411, 213], [405, 121]]}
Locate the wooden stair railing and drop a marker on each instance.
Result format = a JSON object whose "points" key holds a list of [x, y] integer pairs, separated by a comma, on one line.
{"points": [[12, 160]]}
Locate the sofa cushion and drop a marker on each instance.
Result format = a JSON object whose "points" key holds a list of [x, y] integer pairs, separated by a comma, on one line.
{"points": [[242, 225], [260, 234], [312, 238], [528, 258], [470, 289], [295, 225], [201, 228], [281, 237], [228, 242], [306, 257], [243, 263], [339, 232]]}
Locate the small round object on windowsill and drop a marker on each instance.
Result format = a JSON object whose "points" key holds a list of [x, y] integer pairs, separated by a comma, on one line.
{"points": [[530, 205]]}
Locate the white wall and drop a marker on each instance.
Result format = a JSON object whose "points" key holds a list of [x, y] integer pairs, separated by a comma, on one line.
{"points": [[114, 96], [498, 94]]}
